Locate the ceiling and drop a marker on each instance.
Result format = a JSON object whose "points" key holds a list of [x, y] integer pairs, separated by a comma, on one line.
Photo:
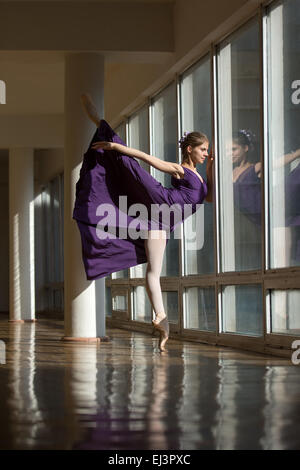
{"points": [[99, 1], [35, 79]]}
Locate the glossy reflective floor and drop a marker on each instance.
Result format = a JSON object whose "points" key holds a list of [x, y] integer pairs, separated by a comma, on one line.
{"points": [[127, 395]]}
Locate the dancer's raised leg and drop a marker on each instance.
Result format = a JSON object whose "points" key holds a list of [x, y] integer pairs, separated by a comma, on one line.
{"points": [[155, 246], [90, 108]]}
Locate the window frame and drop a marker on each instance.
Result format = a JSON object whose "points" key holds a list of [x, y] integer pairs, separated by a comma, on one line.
{"points": [[268, 279]]}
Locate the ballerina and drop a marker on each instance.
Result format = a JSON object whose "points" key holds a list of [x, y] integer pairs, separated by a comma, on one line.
{"points": [[110, 169]]}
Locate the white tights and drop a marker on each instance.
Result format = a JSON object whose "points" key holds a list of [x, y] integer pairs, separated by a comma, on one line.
{"points": [[155, 247]]}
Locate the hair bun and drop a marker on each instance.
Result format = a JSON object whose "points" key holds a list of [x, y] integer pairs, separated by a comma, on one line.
{"points": [[183, 138], [250, 136]]}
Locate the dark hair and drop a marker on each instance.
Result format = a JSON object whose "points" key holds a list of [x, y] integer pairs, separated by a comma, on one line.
{"points": [[193, 139], [245, 137]]}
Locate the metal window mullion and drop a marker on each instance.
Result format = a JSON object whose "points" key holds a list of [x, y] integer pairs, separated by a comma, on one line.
{"points": [[291, 283], [61, 221], [216, 140], [291, 279], [49, 228], [149, 117], [182, 287], [151, 138], [44, 229], [215, 134], [151, 145], [62, 199], [45, 241], [52, 218], [263, 133], [126, 130], [181, 254], [178, 157], [267, 324], [219, 326], [265, 162], [52, 212], [127, 143], [213, 146]]}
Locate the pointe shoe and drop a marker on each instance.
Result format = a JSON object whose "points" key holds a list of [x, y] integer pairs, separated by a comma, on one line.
{"points": [[158, 320], [163, 327], [163, 338]]}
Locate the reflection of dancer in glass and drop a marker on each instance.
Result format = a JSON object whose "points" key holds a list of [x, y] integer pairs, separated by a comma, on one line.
{"points": [[247, 187], [246, 175], [109, 170], [291, 205]]}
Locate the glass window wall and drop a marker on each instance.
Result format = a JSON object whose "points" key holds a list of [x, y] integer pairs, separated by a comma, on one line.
{"points": [[121, 131], [141, 307], [242, 310], [285, 317], [50, 215], [138, 137], [195, 107], [164, 146], [283, 143], [244, 93], [238, 72], [200, 308]]}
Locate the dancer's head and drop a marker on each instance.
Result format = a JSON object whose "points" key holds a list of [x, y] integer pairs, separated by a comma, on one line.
{"points": [[194, 147], [244, 147]]}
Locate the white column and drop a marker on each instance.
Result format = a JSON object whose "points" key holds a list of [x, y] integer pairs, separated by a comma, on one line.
{"points": [[84, 314], [21, 235]]}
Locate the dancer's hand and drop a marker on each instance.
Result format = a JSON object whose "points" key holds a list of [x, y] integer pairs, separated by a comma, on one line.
{"points": [[103, 145], [257, 168], [210, 161], [209, 175]]}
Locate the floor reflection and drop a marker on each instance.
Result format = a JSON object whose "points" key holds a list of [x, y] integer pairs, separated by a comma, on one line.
{"points": [[126, 395]]}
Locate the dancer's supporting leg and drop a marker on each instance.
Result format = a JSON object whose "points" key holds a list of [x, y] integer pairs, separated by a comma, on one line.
{"points": [[155, 246]]}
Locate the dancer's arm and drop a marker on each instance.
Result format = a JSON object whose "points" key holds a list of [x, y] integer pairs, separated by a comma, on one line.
{"points": [[279, 162], [166, 167]]}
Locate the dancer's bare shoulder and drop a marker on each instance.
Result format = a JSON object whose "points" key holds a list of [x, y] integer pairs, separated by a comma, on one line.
{"points": [[178, 171]]}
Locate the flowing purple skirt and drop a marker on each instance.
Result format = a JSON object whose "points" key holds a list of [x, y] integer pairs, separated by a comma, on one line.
{"points": [[105, 176]]}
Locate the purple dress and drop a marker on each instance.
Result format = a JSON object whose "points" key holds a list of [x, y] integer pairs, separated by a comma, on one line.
{"points": [[292, 211], [105, 176], [247, 195], [247, 198], [291, 194]]}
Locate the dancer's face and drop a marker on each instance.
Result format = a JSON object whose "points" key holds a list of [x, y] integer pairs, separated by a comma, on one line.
{"points": [[199, 153], [239, 152]]}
